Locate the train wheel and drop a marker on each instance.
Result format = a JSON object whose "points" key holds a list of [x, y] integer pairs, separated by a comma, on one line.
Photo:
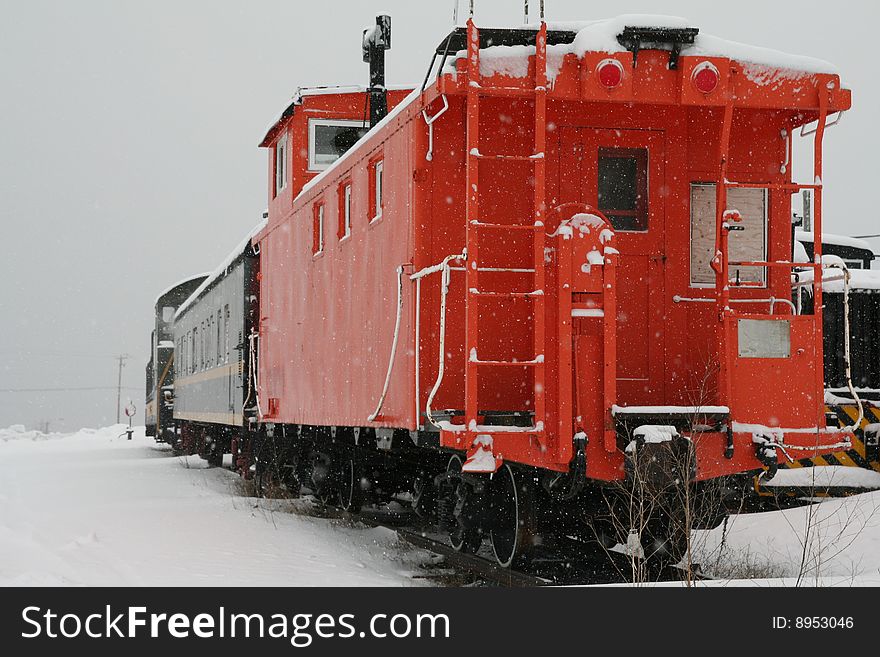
{"points": [[463, 533], [424, 496], [664, 542], [351, 493], [215, 452], [323, 478], [513, 524]]}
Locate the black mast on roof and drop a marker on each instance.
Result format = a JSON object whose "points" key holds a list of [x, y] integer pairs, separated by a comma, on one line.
{"points": [[374, 43]]}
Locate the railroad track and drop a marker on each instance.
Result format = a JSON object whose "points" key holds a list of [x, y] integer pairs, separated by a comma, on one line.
{"points": [[459, 568]]}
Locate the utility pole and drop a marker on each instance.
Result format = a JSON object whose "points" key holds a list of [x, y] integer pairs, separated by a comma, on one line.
{"points": [[121, 358]]}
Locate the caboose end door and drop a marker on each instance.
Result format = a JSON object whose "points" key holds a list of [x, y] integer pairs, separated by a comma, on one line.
{"points": [[622, 173]]}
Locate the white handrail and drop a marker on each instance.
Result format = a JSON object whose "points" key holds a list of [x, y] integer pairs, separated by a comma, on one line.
{"points": [[827, 125], [444, 289], [253, 339], [846, 350], [784, 166], [772, 301], [375, 414], [429, 121]]}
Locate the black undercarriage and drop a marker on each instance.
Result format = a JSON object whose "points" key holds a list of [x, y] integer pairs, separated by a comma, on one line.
{"points": [[521, 513]]}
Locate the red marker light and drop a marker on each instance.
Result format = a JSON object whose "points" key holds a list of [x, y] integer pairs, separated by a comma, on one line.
{"points": [[705, 77], [610, 73]]}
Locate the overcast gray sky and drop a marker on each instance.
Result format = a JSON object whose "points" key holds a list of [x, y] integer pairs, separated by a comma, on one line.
{"points": [[129, 159]]}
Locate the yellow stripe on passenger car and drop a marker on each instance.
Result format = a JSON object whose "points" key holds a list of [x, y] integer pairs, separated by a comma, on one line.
{"points": [[207, 375]]}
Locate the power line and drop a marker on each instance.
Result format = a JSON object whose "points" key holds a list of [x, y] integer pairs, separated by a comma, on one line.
{"points": [[78, 389], [30, 353]]}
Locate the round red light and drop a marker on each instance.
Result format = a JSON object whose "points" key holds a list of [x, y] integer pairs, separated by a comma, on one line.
{"points": [[610, 73], [705, 78]]}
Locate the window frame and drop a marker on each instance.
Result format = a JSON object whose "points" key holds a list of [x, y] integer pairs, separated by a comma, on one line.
{"points": [[642, 157], [763, 283], [194, 333], [209, 349], [377, 188], [343, 230], [202, 334], [281, 152], [226, 331], [338, 123], [319, 212]]}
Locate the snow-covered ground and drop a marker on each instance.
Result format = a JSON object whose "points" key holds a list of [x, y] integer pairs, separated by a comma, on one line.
{"points": [[834, 542], [93, 508]]}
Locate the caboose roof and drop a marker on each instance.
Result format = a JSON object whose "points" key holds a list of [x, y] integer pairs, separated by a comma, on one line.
{"points": [[762, 64], [319, 90]]}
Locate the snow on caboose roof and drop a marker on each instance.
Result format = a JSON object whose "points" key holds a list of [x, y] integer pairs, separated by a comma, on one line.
{"points": [[222, 269], [320, 90], [763, 65], [602, 36]]}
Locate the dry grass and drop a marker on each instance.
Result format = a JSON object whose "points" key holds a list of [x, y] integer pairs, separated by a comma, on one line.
{"points": [[743, 564]]}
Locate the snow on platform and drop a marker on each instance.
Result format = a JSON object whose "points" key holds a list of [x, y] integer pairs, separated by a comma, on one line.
{"points": [[826, 476], [92, 508]]}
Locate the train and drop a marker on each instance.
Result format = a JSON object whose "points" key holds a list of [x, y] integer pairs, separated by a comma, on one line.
{"points": [[551, 294], [159, 404]]}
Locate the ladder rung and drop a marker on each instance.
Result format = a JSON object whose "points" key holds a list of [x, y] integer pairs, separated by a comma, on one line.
{"points": [[792, 187], [510, 295], [588, 312], [509, 270], [504, 91], [494, 428], [481, 224], [512, 158], [509, 363]]}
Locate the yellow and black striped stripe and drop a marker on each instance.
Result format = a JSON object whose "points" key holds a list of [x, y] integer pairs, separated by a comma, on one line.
{"points": [[856, 456]]}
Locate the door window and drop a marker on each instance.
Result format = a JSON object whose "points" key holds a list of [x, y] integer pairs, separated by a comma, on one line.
{"points": [[623, 187]]}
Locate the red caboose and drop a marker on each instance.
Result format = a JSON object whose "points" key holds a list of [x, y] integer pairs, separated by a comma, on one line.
{"points": [[567, 260]]}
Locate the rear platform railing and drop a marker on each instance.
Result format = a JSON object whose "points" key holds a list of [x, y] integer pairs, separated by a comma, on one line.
{"points": [[721, 263]]}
